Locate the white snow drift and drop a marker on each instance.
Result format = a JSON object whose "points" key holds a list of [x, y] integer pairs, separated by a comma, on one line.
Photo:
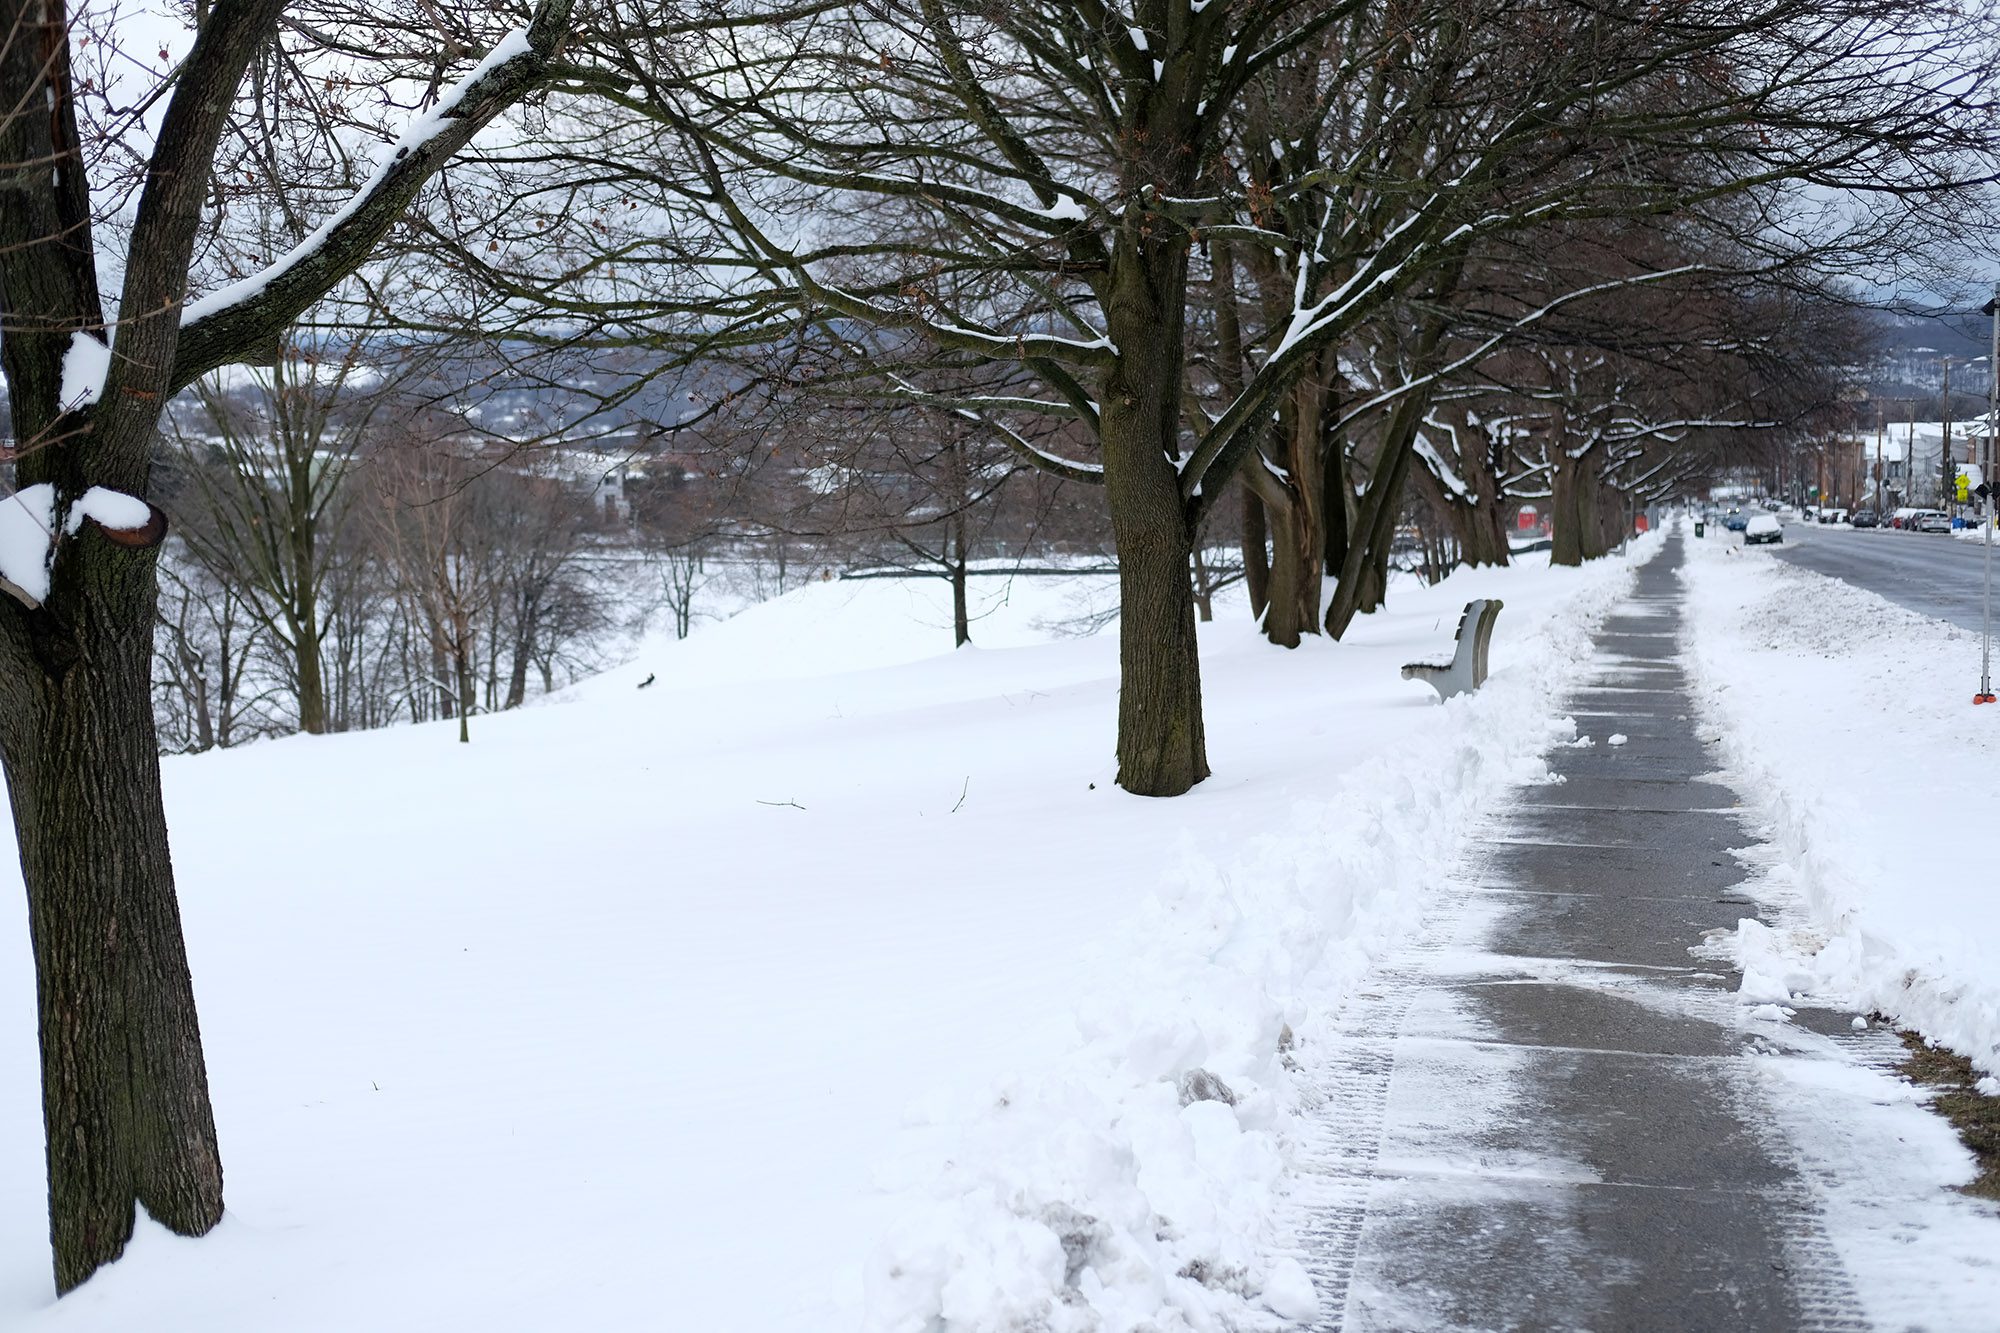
{"points": [[1850, 719], [828, 982]]}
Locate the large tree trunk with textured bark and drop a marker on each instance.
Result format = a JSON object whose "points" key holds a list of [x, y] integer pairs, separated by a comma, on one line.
{"points": [[1481, 524], [1576, 506], [1300, 531], [1162, 750], [124, 1090]]}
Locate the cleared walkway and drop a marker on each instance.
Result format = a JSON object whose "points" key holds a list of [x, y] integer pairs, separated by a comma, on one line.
{"points": [[1537, 1117]]}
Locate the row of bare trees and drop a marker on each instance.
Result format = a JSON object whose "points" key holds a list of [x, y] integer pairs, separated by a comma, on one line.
{"points": [[1165, 255], [1184, 249], [343, 560]]}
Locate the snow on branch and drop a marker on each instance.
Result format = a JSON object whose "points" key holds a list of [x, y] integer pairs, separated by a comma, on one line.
{"points": [[1068, 469], [84, 367], [420, 131], [27, 543], [1442, 470], [234, 322], [30, 533]]}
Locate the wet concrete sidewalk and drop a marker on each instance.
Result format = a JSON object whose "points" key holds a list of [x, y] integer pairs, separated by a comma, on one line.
{"points": [[1536, 1116]]}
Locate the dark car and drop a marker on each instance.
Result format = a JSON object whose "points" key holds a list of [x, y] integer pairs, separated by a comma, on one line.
{"points": [[1863, 518], [1762, 529], [1737, 520]]}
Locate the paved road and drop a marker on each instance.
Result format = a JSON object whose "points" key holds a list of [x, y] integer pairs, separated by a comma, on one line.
{"points": [[1545, 1112], [1928, 572]]}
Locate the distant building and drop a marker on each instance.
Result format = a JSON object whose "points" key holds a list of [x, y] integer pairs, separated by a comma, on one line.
{"points": [[1911, 458]]}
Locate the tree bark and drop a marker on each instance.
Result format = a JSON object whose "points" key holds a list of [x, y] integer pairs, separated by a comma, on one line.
{"points": [[961, 616], [124, 1088], [1338, 508], [1582, 529], [1300, 547], [1364, 570], [517, 674], [1256, 552], [1481, 526], [1162, 748], [1292, 563]]}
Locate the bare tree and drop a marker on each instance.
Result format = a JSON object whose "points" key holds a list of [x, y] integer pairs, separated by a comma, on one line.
{"points": [[269, 477], [1037, 185], [125, 1091]]}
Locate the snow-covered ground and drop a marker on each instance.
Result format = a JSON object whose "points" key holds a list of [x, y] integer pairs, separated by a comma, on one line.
{"points": [[828, 981], [1851, 720]]}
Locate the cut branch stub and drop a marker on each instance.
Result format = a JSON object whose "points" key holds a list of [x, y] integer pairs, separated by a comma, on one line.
{"points": [[143, 537]]}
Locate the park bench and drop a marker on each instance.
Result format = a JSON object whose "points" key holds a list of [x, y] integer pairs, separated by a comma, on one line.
{"points": [[1466, 671]]}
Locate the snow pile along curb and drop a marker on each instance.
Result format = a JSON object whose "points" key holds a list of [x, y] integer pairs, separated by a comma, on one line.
{"points": [[1133, 1187], [1849, 720]]}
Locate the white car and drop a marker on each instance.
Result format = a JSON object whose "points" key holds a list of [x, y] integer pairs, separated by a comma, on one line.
{"points": [[1763, 528]]}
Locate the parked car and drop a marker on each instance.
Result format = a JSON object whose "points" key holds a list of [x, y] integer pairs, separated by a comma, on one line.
{"points": [[1932, 520], [1736, 520], [1862, 518], [1763, 530]]}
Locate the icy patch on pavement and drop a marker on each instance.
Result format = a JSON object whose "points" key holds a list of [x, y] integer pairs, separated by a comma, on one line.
{"points": [[1883, 1170]]}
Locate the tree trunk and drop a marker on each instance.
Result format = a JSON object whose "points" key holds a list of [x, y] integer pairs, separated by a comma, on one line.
{"points": [[1256, 552], [196, 669], [1162, 750], [961, 617], [1204, 593], [440, 686], [1293, 563], [305, 583], [1364, 570], [1338, 508], [517, 673], [1364, 566], [124, 1089], [1300, 547], [1229, 370], [462, 672], [312, 684], [1481, 526]]}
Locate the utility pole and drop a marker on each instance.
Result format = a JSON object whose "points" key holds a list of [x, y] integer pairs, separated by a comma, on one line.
{"points": [[1910, 459], [1948, 468], [1881, 469], [1985, 695]]}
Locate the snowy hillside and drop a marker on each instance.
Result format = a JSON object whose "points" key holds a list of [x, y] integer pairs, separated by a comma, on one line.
{"points": [[797, 988]]}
